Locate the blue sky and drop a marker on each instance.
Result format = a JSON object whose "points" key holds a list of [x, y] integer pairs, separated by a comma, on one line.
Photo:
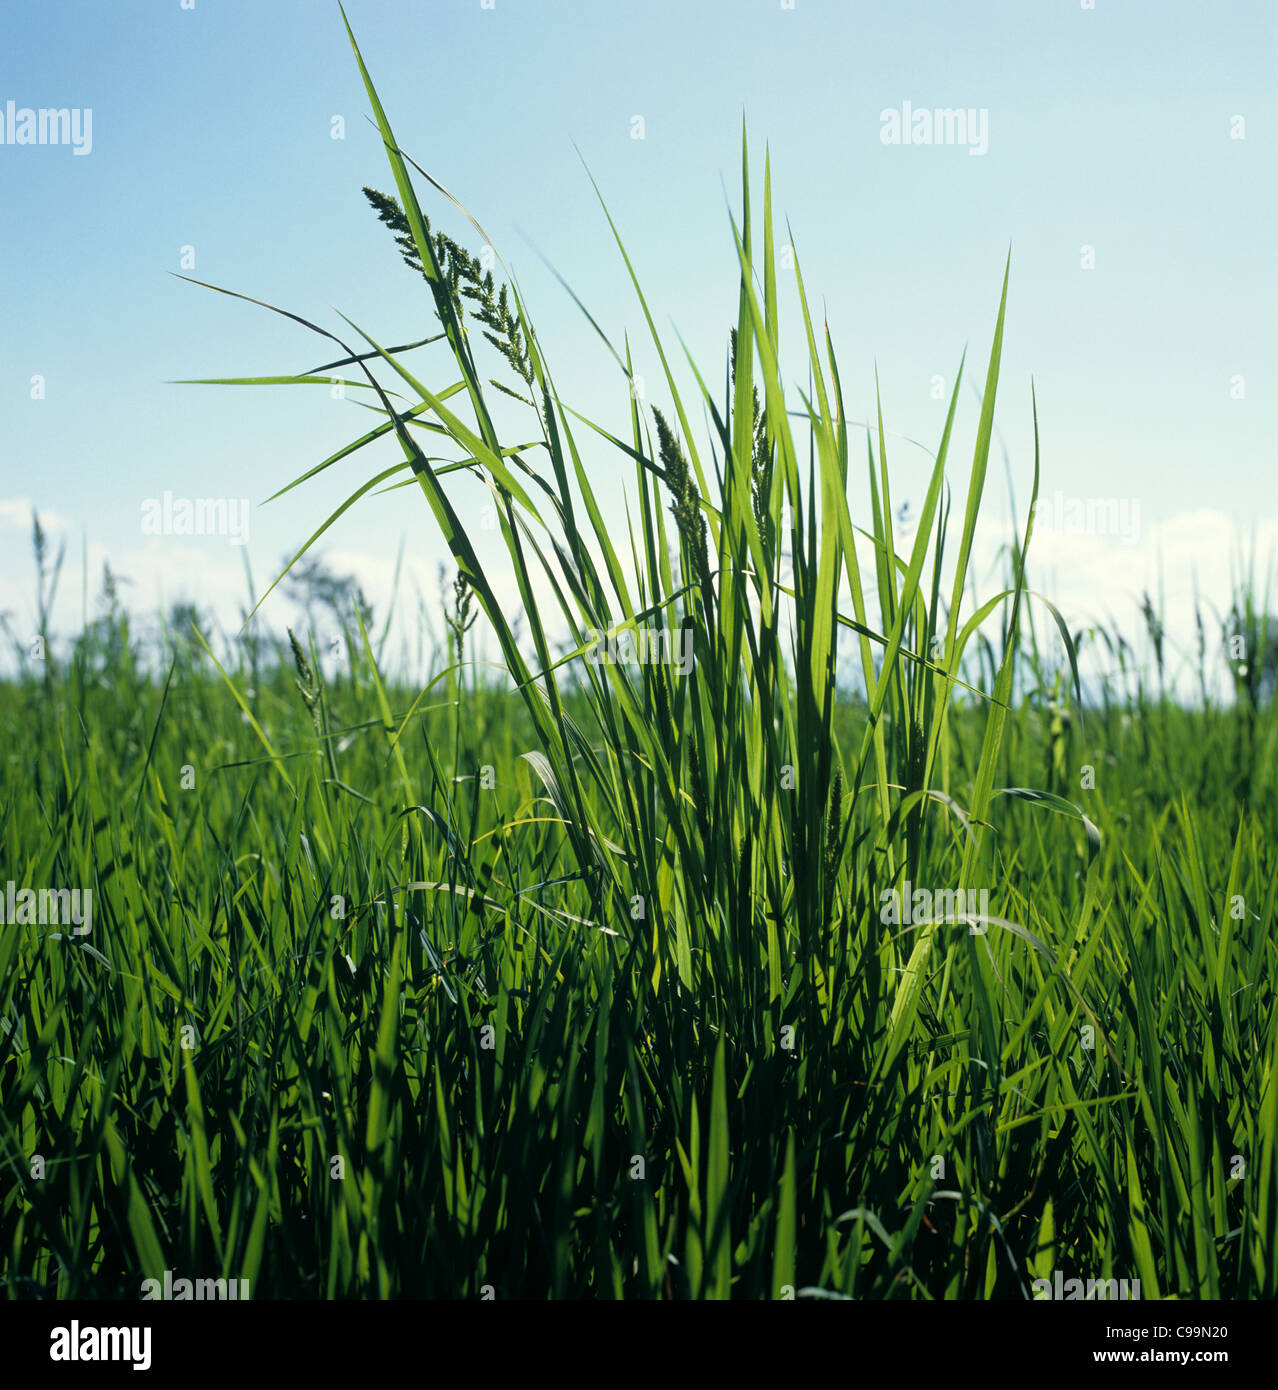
{"points": [[212, 129]]}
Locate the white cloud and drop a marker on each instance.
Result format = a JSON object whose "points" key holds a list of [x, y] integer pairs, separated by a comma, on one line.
{"points": [[17, 512], [1091, 578]]}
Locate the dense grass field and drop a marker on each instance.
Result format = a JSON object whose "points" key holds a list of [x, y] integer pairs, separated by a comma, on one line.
{"points": [[585, 978]]}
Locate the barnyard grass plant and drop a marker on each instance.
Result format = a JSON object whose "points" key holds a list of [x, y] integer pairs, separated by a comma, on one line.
{"points": [[575, 981]]}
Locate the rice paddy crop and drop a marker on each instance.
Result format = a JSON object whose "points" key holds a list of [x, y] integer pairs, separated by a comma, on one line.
{"points": [[605, 977]]}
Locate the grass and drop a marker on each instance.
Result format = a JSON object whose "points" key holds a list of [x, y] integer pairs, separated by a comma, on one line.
{"points": [[576, 983]]}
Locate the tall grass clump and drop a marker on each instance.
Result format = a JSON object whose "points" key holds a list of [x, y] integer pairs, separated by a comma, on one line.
{"points": [[579, 983]]}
